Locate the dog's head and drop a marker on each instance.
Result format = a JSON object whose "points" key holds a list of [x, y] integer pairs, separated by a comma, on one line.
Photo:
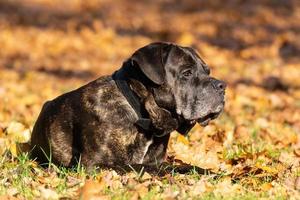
{"points": [[183, 81]]}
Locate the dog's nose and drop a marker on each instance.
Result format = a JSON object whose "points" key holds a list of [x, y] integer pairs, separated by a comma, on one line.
{"points": [[219, 85]]}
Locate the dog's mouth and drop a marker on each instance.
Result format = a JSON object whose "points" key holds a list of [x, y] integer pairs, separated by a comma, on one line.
{"points": [[206, 117], [203, 121]]}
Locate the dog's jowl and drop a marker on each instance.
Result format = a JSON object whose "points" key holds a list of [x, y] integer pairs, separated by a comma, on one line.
{"points": [[126, 118]]}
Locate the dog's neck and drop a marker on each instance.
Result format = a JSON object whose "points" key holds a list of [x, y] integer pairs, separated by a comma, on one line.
{"points": [[138, 89], [139, 94], [183, 126], [121, 79]]}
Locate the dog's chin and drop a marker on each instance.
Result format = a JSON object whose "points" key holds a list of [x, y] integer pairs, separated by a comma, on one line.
{"points": [[206, 117], [203, 121]]}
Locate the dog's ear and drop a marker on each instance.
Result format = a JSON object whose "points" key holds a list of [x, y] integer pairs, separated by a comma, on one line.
{"points": [[151, 59]]}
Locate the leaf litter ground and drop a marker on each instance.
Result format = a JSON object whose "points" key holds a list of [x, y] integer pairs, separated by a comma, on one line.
{"points": [[51, 47]]}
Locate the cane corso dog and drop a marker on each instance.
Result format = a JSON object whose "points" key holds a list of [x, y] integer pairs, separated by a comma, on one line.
{"points": [[126, 118]]}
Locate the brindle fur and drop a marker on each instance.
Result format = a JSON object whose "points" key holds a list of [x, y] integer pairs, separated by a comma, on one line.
{"points": [[96, 124]]}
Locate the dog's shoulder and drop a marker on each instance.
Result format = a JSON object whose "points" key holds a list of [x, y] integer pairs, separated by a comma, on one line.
{"points": [[102, 96]]}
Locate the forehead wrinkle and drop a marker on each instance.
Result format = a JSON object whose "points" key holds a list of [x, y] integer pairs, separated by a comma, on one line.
{"points": [[186, 59], [195, 54], [192, 58], [182, 57], [197, 58]]}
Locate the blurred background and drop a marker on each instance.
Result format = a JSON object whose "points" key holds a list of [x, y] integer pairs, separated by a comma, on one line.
{"points": [[48, 47]]}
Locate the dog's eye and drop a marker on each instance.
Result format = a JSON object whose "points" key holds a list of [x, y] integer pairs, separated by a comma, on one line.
{"points": [[187, 73]]}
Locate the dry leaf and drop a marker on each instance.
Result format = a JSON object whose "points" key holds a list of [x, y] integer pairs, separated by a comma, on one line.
{"points": [[182, 139], [47, 193], [17, 132], [266, 186], [226, 188], [92, 190], [288, 159]]}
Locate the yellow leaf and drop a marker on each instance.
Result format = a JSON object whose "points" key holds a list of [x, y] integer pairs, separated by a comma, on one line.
{"points": [[225, 187], [266, 168], [3, 145], [182, 139], [266, 186], [1, 133], [17, 132], [91, 190], [13, 149]]}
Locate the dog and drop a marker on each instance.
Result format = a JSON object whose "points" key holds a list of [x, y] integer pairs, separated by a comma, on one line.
{"points": [[126, 118]]}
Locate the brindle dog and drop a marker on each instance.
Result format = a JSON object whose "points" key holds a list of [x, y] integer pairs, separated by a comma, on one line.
{"points": [[126, 119]]}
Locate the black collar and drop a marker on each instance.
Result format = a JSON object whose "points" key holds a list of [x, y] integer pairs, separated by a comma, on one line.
{"points": [[121, 78]]}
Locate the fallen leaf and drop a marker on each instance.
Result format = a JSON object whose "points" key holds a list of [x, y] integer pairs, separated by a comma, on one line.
{"points": [[47, 193], [182, 139], [92, 190], [226, 188], [170, 194], [8, 197], [266, 186], [288, 159], [3, 145], [297, 183], [142, 190], [265, 168], [17, 132], [201, 187]]}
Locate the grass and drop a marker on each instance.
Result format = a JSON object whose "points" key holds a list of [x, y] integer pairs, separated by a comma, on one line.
{"points": [[24, 178], [253, 146], [258, 160]]}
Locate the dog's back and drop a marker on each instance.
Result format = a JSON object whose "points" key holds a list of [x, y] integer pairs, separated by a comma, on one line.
{"points": [[67, 125]]}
